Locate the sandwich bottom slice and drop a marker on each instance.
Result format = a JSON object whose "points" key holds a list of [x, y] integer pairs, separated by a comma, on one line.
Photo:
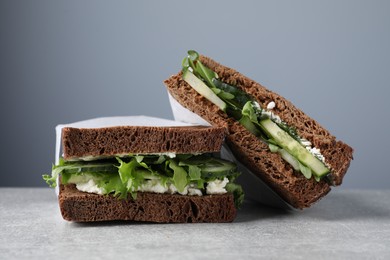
{"points": [[80, 206], [145, 173]]}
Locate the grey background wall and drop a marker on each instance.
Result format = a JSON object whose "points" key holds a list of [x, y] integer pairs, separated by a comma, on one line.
{"points": [[64, 61]]}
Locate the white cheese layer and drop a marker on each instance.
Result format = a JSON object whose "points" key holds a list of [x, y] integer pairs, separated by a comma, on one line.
{"points": [[217, 186], [87, 183], [90, 187]]}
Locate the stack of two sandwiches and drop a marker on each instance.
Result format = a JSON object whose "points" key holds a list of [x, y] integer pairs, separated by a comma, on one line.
{"points": [[147, 169]]}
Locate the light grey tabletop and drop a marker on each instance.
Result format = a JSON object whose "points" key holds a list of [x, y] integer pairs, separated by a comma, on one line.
{"points": [[347, 224]]}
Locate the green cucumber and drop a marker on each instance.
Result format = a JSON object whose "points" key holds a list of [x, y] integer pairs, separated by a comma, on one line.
{"points": [[203, 89], [240, 97], [284, 140], [87, 167], [212, 167], [218, 165]]}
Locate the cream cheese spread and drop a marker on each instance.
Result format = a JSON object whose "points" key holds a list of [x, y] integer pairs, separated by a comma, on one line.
{"points": [[87, 183], [217, 186]]}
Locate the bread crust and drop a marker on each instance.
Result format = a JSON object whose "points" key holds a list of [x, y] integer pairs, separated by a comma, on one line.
{"points": [[110, 141], [78, 206], [255, 154]]}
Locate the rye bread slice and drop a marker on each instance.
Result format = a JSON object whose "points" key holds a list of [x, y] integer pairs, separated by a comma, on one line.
{"points": [[78, 206], [110, 141], [270, 167]]}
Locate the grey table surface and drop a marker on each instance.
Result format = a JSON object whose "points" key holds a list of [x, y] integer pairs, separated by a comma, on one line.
{"points": [[346, 224]]}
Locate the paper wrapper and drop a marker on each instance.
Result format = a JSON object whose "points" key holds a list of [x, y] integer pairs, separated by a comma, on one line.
{"points": [[109, 122], [255, 189]]}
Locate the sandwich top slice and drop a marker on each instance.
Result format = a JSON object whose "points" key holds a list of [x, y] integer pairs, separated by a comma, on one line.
{"points": [[291, 152], [142, 172]]}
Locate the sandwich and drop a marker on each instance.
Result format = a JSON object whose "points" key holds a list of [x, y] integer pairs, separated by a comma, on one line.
{"points": [[277, 142], [143, 169]]}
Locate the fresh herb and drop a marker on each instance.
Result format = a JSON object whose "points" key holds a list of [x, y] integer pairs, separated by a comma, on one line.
{"points": [[179, 176], [123, 176], [201, 71]]}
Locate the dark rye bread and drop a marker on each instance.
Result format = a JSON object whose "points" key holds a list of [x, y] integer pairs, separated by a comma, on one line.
{"points": [[109, 141], [270, 167], [80, 206]]}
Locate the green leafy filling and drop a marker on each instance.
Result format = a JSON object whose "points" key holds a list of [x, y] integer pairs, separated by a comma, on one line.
{"points": [[244, 109], [123, 176]]}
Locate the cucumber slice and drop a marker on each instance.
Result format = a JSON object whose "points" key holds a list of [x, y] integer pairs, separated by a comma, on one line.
{"points": [[88, 167], [211, 167], [203, 89], [218, 168], [290, 159], [217, 165], [294, 148]]}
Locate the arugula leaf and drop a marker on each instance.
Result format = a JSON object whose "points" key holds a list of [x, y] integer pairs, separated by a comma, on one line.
{"points": [[207, 74], [125, 175], [134, 173], [114, 185], [194, 172], [185, 64], [126, 171], [248, 110], [201, 71], [200, 184], [179, 176], [193, 55], [51, 180], [244, 109]]}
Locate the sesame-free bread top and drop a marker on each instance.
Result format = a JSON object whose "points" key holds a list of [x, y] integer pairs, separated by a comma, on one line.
{"points": [[255, 154], [120, 140], [80, 206]]}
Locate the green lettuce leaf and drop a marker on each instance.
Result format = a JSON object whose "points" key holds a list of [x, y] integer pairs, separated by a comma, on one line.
{"points": [[123, 176], [244, 109], [238, 193], [113, 184], [51, 180], [179, 176], [194, 172]]}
